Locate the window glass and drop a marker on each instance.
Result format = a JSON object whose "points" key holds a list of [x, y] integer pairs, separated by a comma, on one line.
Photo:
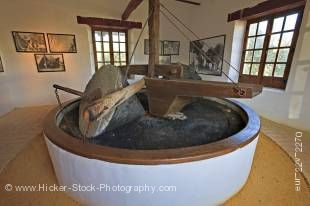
{"points": [[252, 29], [277, 24], [290, 22]]}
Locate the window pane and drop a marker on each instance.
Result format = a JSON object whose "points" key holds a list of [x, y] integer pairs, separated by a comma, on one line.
{"points": [[115, 47], [98, 46], [117, 63], [254, 69], [115, 36], [99, 57], [286, 39], [271, 55], [283, 55], [259, 42], [123, 57], [123, 63], [122, 47], [246, 69], [116, 57], [262, 27], [290, 22], [252, 29], [99, 65], [250, 43], [274, 40], [248, 56], [268, 70], [97, 35], [122, 37], [279, 70], [107, 63], [106, 47], [105, 36], [107, 57], [257, 56], [277, 24]]}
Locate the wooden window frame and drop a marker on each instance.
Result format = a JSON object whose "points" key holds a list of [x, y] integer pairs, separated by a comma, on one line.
{"points": [[110, 31], [274, 82]]}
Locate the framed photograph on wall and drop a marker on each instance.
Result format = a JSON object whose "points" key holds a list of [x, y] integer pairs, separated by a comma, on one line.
{"points": [[29, 42], [164, 59], [50, 62], [147, 50], [1, 66], [211, 61], [62, 43], [171, 47]]}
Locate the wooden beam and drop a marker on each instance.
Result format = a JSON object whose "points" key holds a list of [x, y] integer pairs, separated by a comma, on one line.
{"points": [[167, 71], [154, 9], [189, 2], [265, 8], [166, 96], [132, 5], [108, 23]]}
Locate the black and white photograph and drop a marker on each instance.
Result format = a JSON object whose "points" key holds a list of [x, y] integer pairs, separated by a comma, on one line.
{"points": [[29, 41], [210, 62], [62, 43], [164, 59], [50, 62], [146, 47], [1, 66], [171, 47]]}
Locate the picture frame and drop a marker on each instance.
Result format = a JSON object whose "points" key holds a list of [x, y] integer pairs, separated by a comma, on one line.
{"points": [[171, 47], [164, 59], [29, 42], [146, 47], [61, 43], [1, 65], [50, 62], [213, 48]]}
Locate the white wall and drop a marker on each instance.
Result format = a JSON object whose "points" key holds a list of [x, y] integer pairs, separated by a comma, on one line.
{"points": [[288, 107], [21, 84]]}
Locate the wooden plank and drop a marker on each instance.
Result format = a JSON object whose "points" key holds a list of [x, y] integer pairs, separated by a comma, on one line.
{"points": [[99, 108], [189, 2], [167, 71], [108, 23], [132, 5], [265, 8], [154, 9], [69, 90], [163, 93]]}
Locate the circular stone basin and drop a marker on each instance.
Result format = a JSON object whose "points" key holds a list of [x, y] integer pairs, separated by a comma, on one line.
{"points": [[202, 160]]}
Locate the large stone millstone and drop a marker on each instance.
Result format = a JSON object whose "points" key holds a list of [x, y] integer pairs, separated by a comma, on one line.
{"points": [[106, 80]]}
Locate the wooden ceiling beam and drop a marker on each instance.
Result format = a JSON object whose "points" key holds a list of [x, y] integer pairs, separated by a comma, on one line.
{"points": [[108, 23], [132, 5], [265, 8], [189, 2]]}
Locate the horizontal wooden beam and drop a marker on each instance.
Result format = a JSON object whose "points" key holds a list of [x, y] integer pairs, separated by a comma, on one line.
{"points": [[168, 96], [108, 23], [189, 2], [265, 8], [168, 71], [132, 5]]}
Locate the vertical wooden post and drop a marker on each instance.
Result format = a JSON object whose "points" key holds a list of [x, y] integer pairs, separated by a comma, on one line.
{"points": [[153, 23]]}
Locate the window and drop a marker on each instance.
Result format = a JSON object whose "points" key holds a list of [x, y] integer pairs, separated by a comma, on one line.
{"points": [[110, 47], [269, 46]]}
